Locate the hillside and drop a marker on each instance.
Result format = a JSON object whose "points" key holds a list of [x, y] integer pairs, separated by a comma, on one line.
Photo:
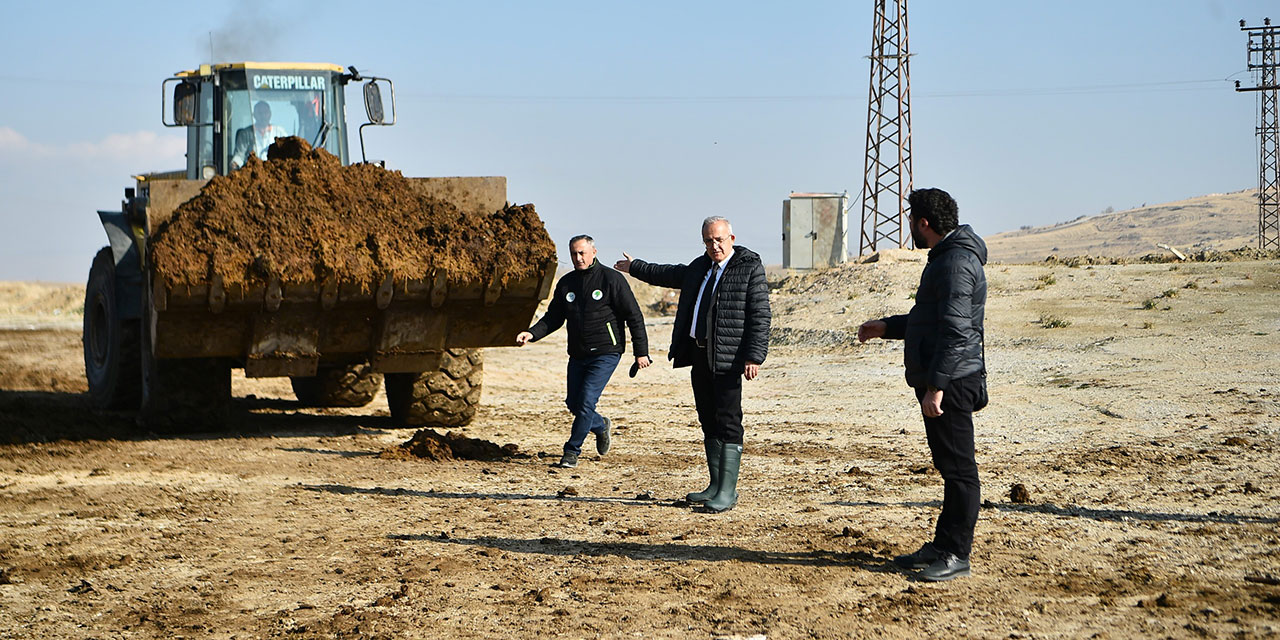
{"points": [[32, 305], [1218, 222]]}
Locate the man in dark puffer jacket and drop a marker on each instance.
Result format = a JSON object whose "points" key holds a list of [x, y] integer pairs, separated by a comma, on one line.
{"points": [[595, 301], [722, 331], [944, 360]]}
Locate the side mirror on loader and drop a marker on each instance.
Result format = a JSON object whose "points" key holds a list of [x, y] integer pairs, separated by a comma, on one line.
{"points": [[373, 107], [184, 103], [373, 103]]}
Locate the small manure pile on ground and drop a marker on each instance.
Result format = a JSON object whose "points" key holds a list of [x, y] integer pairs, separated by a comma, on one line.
{"points": [[426, 444], [301, 216]]}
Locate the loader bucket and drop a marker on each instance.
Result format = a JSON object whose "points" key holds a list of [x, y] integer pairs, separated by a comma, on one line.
{"points": [[402, 324]]}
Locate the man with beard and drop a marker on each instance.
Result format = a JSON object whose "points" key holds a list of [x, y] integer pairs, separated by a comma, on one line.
{"points": [[945, 364]]}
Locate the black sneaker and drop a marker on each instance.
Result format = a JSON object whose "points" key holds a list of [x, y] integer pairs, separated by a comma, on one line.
{"points": [[926, 555], [604, 439], [568, 461], [947, 567]]}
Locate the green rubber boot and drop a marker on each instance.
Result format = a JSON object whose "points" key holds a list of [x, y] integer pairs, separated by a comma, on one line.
{"points": [[713, 448], [727, 495]]}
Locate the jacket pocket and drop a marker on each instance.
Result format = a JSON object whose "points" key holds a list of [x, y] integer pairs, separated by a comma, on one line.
{"points": [[612, 338]]}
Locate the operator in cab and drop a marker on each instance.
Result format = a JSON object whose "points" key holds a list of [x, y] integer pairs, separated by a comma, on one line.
{"points": [[256, 138]]}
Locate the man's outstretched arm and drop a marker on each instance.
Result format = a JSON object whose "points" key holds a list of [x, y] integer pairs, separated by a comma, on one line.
{"points": [[661, 275]]}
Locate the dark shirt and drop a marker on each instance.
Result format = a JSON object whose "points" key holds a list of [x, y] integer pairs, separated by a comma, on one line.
{"points": [[597, 303]]}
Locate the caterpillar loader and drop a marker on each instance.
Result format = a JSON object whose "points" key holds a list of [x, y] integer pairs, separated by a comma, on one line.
{"points": [[168, 351]]}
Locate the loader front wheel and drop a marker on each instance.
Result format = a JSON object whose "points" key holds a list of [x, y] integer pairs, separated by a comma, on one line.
{"points": [[344, 386], [186, 395], [446, 397], [112, 345]]}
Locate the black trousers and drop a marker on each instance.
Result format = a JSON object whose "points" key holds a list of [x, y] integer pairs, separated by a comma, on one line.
{"points": [[951, 443], [718, 398]]}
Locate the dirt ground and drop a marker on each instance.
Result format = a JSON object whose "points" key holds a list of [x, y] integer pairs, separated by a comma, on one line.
{"points": [[1138, 405]]}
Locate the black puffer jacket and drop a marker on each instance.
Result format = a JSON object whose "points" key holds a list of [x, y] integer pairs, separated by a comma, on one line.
{"points": [[739, 323], [595, 301], [943, 332]]}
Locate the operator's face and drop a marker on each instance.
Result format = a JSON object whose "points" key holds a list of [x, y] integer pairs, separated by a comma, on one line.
{"points": [[718, 240], [582, 254]]}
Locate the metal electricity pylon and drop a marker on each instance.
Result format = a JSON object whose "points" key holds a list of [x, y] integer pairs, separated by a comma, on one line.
{"points": [[887, 177], [1264, 42]]}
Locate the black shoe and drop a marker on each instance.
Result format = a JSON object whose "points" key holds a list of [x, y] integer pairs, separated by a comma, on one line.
{"points": [[604, 439], [568, 461], [945, 568], [926, 555]]}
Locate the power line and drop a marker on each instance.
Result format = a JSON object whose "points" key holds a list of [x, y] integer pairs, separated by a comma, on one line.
{"points": [[1138, 87], [439, 97], [1147, 87]]}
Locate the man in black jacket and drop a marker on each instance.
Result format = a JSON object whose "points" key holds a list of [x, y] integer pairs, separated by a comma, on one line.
{"points": [[722, 331], [595, 300], [944, 358]]}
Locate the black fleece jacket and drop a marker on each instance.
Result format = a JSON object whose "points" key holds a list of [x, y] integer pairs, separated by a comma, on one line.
{"points": [[738, 331], [943, 332], [595, 301]]}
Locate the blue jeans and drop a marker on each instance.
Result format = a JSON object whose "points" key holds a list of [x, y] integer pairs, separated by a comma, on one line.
{"points": [[586, 380]]}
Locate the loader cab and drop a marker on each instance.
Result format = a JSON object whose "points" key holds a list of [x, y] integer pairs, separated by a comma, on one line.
{"points": [[223, 108]]}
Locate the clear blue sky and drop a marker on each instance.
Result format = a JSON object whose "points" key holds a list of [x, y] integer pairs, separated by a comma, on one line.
{"points": [[633, 121]]}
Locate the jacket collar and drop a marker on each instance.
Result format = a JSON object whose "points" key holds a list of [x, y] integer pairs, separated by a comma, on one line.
{"points": [[960, 238]]}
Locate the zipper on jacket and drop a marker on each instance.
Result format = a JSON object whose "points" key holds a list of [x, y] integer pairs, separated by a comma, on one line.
{"points": [[612, 338]]}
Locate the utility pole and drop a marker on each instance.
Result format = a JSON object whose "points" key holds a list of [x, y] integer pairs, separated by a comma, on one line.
{"points": [[887, 176], [1264, 42]]}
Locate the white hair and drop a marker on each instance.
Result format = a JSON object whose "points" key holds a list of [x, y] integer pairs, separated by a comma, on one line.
{"points": [[714, 219]]}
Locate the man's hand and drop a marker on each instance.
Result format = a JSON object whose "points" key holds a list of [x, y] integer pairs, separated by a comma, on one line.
{"points": [[523, 338], [931, 403], [871, 329], [624, 265], [751, 370], [643, 362]]}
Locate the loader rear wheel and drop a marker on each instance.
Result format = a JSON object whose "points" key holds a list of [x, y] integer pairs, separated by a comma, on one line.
{"points": [[345, 386], [112, 345], [446, 397]]}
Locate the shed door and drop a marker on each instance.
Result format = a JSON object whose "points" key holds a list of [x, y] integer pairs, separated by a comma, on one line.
{"points": [[802, 233]]}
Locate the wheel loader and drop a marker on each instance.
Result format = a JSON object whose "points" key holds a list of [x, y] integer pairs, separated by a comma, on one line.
{"points": [[168, 351]]}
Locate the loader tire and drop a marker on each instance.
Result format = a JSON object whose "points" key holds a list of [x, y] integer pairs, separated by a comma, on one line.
{"points": [[343, 386], [186, 395], [112, 345], [447, 397]]}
